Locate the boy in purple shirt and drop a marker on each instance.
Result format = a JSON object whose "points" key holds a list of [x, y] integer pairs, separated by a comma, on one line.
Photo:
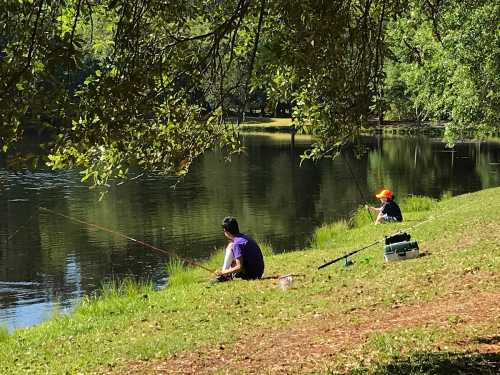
{"points": [[243, 259]]}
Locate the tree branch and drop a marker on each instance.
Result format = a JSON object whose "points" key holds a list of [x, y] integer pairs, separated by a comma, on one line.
{"points": [[78, 8], [252, 58]]}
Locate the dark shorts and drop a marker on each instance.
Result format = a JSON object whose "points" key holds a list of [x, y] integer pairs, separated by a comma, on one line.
{"points": [[389, 218], [246, 276]]}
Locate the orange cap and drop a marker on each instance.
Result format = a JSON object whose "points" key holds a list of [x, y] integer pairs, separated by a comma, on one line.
{"points": [[384, 194]]}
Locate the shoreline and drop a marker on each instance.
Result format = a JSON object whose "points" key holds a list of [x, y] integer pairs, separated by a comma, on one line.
{"points": [[389, 127]]}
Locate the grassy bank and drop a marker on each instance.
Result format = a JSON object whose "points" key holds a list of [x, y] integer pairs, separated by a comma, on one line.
{"points": [[284, 125], [267, 124], [133, 327]]}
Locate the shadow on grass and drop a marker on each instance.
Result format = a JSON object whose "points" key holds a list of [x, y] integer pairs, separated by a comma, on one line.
{"points": [[490, 340], [440, 364]]}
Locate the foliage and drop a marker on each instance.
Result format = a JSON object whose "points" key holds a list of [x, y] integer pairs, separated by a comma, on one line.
{"points": [[443, 64], [115, 297], [362, 217], [416, 203], [119, 83]]}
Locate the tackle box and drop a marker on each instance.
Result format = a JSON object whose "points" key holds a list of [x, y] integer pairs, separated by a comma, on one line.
{"points": [[401, 251]]}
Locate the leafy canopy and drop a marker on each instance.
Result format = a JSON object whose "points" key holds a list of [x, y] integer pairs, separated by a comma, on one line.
{"points": [[152, 83]]}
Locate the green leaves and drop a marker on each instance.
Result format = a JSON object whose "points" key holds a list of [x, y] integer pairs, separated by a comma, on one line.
{"points": [[138, 83], [447, 76]]}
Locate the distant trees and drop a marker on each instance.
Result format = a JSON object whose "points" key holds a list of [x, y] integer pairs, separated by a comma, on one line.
{"points": [[443, 64], [115, 83]]}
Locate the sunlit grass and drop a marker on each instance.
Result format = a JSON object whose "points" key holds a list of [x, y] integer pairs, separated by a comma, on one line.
{"points": [[4, 333], [125, 288], [328, 234], [362, 217], [130, 321], [178, 273], [415, 203], [446, 195], [115, 297], [267, 121], [267, 249]]}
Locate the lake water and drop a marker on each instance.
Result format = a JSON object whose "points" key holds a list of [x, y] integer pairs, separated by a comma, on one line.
{"points": [[48, 263]]}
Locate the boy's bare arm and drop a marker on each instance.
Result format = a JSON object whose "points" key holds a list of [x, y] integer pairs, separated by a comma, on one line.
{"points": [[235, 268]]}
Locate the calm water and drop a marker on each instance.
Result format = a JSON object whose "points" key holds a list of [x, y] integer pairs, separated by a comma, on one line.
{"points": [[50, 262]]}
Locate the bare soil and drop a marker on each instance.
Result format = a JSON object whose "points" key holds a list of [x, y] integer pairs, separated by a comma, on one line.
{"points": [[324, 341]]}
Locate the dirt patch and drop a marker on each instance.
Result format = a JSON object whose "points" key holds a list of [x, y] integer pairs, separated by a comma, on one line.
{"points": [[312, 343]]}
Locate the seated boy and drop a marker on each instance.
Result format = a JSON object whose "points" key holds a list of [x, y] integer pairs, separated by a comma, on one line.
{"points": [[389, 211], [243, 257]]}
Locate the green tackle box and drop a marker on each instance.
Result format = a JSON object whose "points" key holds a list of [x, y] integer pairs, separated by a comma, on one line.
{"points": [[401, 251]]}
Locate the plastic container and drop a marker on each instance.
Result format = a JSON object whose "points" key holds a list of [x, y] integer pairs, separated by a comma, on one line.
{"points": [[401, 251], [285, 282]]}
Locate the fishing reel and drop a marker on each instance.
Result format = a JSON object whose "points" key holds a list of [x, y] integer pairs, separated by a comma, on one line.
{"points": [[398, 237], [347, 262]]}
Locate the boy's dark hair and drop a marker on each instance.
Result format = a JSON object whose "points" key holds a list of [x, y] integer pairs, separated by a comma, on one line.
{"points": [[230, 225]]}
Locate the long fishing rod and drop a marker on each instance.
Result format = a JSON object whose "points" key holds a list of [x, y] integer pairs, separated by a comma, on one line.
{"points": [[379, 241], [116, 233], [348, 254], [358, 187], [20, 227], [275, 277]]}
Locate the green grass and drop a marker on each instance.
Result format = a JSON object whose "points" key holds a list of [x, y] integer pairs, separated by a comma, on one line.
{"points": [[179, 274], [4, 333], [423, 351], [362, 217], [130, 321], [410, 204], [417, 203], [266, 122], [329, 234]]}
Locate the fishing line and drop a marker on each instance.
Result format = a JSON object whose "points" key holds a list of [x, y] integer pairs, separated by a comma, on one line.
{"points": [[20, 227], [119, 234], [358, 187]]}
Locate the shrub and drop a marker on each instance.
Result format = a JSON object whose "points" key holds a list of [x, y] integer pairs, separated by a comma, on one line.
{"points": [[415, 203], [327, 234], [446, 195], [362, 217]]}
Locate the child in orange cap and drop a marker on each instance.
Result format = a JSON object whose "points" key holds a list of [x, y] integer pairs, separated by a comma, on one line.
{"points": [[389, 211]]}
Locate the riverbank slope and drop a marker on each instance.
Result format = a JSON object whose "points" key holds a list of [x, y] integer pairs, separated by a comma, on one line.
{"points": [[439, 313]]}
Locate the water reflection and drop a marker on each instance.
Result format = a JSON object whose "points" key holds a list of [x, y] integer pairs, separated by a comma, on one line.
{"points": [[47, 262]]}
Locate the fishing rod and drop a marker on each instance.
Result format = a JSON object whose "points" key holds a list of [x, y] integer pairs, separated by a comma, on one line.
{"points": [[358, 187], [19, 228], [276, 277], [116, 233], [345, 256], [401, 231]]}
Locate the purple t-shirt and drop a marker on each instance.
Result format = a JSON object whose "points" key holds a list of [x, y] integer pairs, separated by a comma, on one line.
{"points": [[247, 249]]}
